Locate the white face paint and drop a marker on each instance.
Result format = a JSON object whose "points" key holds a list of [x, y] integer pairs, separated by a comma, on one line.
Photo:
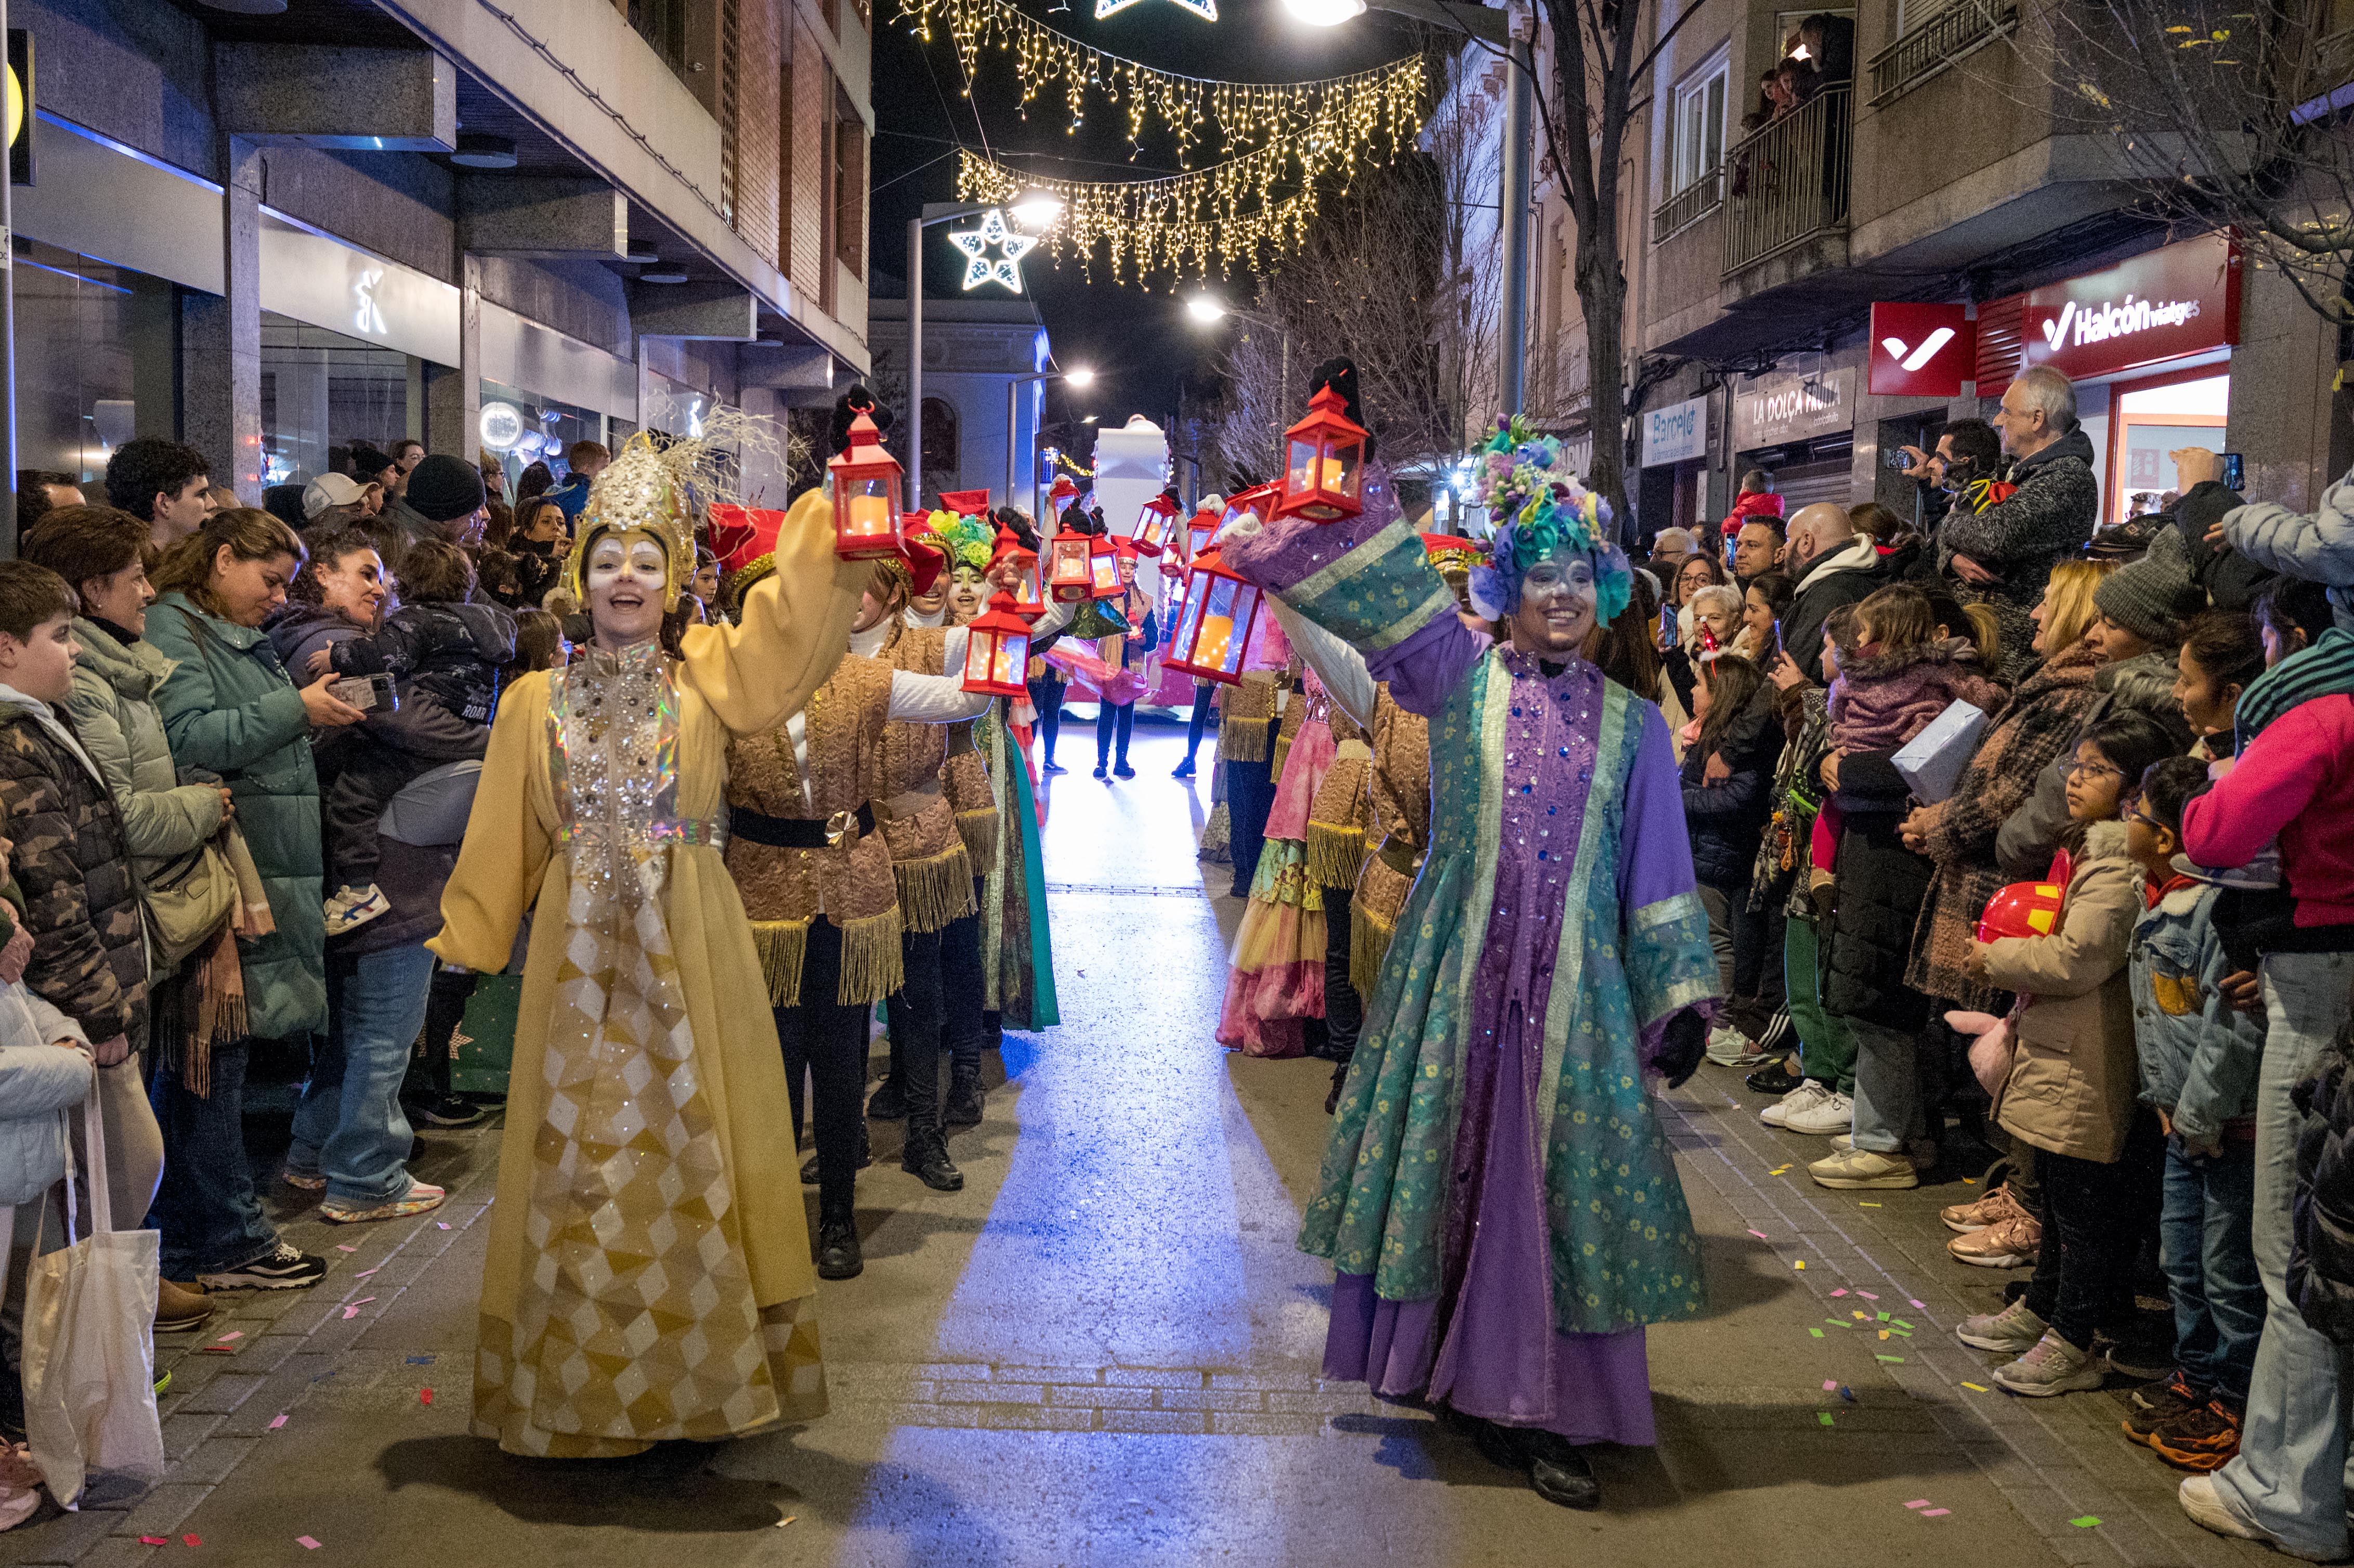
{"points": [[625, 574], [1557, 605]]}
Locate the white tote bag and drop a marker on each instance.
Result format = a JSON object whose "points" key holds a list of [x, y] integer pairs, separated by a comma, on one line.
{"points": [[90, 1369]]}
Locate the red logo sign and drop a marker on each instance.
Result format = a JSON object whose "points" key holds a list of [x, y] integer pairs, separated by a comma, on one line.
{"points": [[2178, 300], [1921, 350]]}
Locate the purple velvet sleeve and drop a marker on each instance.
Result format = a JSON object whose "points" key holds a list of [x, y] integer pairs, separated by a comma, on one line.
{"points": [[1424, 671], [1656, 862]]}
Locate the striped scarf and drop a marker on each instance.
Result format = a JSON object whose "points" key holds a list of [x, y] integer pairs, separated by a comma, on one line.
{"points": [[2324, 669]]}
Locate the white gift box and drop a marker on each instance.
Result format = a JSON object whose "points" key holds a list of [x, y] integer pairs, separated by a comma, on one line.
{"points": [[1931, 761]]}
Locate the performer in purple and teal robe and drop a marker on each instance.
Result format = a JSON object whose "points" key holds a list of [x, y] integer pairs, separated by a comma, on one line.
{"points": [[1498, 1197]]}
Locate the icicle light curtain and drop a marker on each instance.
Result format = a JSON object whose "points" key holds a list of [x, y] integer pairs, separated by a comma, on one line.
{"points": [[1344, 116]]}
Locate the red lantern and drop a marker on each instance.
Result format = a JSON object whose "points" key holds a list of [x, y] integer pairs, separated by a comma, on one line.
{"points": [[997, 650], [1062, 496], [866, 480], [1326, 469], [1028, 596], [1103, 568], [1214, 627], [1155, 523], [1128, 554], [1257, 502], [2023, 909], [1067, 568]]}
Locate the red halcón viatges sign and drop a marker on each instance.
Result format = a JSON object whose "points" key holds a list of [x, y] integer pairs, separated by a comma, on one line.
{"points": [[2175, 301]]}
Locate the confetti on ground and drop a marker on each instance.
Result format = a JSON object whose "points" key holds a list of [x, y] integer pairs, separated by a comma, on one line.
{"points": [[1862, 1204], [1978, 1386], [1841, 1291], [1884, 1317], [1902, 1333], [306, 1544], [1916, 1305], [364, 1273], [1860, 1317], [232, 1334], [1884, 1333], [421, 1360], [2086, 1522], [353, 1310], [1835, 1322], [1824, 1417], [442, 1225], [1830, 1385], [1867, 1295], [1897, 1360], [1898, 1321], [154, 1541], [341, 1247], [277, 1421], [424, 1396], [1847, 1393], [1817, 1333], [1918, 1502], [192, 1541], [1800, 1264], [1969, 1180], [787, 1520], [1935, 1512], [1778, 1171]]}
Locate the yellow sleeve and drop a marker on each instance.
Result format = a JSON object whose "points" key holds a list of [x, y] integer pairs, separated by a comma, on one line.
{"points": [[505, 854], [796, 628]]}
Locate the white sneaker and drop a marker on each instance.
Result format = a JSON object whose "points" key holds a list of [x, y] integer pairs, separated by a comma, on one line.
{"points": [[1835, 1113], [1805, 1098], [353, 907], [1730, 1048]]}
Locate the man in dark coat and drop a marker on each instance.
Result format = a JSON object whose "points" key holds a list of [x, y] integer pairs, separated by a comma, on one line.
{"points": [[1833, 564], [2003, 555]]}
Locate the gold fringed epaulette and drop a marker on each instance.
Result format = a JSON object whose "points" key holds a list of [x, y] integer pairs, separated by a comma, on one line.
{"points": [[1369, 944], [935, 890], [1336, 853], [873, 965], [1243, 740], [978, 829], [782, 945]]}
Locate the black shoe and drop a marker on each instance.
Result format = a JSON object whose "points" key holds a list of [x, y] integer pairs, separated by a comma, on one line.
{"points": [[808, 1172], [1774, 1079], [1182, 771], [838, 1257], [1051, 765], [1099, 771], [888, 1103], [1122, 770], [1558, 1471], [963, 1109], [288, 1268], [449, 1110], [927, 1160]]}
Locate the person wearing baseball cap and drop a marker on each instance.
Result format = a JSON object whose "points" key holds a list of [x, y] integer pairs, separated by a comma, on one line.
{"points": [[332, 498]]}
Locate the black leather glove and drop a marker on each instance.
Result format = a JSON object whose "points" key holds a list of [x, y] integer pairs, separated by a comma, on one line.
{"points": [[1682, 1046]]}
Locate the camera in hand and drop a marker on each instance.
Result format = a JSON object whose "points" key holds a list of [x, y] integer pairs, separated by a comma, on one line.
{"points": [[369, 694]]}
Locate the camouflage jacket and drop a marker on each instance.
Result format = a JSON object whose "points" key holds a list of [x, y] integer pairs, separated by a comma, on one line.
{"points": [[81, 905]]}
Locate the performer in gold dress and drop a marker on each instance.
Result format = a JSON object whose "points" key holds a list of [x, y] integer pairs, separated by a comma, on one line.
{"points": [[649, 1274]]}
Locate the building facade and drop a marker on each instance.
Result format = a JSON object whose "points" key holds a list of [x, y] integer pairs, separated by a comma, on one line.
{"points": [[984, 391], [491, 227], [1940, 164]]}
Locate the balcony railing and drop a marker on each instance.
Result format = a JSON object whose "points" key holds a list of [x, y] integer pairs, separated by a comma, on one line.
{"points": [[1948, 36], [1789, 181], [1689, 205]]}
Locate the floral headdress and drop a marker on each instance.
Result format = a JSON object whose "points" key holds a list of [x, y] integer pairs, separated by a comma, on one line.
{"points": [[1539, 507], [968, 541]]}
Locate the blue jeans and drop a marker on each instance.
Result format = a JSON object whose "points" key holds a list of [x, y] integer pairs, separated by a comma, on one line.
{"points": [[2211, 1268], [2290, 1474], [1888, 1113], [350, 1124], [206, 1208]]}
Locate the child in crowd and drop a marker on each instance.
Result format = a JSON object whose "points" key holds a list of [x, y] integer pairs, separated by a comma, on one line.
{"points": [[539, 643], [1727, 817], [449, 655], [2073, 1079], [2199, 1059]]}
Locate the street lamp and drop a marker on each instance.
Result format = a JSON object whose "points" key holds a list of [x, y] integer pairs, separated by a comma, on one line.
{"points": [[1079, 376], [1208, 309], [1033, 210], [1490, 27]]}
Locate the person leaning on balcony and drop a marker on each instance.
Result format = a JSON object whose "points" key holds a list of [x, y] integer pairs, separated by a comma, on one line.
{"points": [[2002, 556], [1830, 43]]}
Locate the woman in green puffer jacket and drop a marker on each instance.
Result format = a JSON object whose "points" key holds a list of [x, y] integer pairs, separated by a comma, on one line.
{"points": [[230, 709]]}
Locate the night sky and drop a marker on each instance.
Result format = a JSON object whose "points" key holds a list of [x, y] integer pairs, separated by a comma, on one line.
{"points": [[1141, 342]]}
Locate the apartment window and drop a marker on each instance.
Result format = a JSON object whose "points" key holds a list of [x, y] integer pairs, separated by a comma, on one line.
{"points": [[849, 191], [1698, 133]]}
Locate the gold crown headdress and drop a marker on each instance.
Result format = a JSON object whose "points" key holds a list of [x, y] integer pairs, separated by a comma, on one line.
{"points": [[650, 486]]}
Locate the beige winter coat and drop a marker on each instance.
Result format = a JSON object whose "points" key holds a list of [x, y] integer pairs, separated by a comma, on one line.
{"points": [[2074, 1075]]}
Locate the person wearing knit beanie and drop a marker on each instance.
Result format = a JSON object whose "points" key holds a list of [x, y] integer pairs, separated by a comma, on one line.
{"points": [[444, 489], [2150, 598], [444, 501]]}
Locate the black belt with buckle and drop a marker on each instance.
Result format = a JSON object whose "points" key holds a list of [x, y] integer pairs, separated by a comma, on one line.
{"points": [[799, 832]]}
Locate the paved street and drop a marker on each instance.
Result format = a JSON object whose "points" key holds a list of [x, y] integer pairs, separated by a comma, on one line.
{"points": [[1106, 1349]]}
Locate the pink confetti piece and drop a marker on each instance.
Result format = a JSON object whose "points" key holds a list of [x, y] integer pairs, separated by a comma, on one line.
{"points": [[154, 1541], [425, 1396], [1918, 1306], [1867, 1295], [192, 1541], [1840, 1291], [306, 1544], [1918, 1502], [232, 1334], [1830, 1385], [353, 1310], [341, 1247], [277, 1421], [1759, 1235], [442, 1225], [1935, 1512], [364, 1273]]}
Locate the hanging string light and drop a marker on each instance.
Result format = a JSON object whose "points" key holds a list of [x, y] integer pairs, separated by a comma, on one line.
{"points": [[1344, 116]]}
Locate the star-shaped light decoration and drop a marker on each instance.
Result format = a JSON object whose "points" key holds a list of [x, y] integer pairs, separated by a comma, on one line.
{"points": [[1006, 270], [1205, 9]]}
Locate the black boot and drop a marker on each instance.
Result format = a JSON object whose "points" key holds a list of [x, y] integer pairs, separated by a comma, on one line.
{"points": [[926, 1158], [888, 1103], [963, 1109], [1555, 1469], [1340, 1077], [838, 1257]]}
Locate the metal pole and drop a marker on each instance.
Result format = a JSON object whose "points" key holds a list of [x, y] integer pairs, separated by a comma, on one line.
{"points": [[1512, 329], [914, 362], [8, 335], [1012, 424], [1283, 390]]}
